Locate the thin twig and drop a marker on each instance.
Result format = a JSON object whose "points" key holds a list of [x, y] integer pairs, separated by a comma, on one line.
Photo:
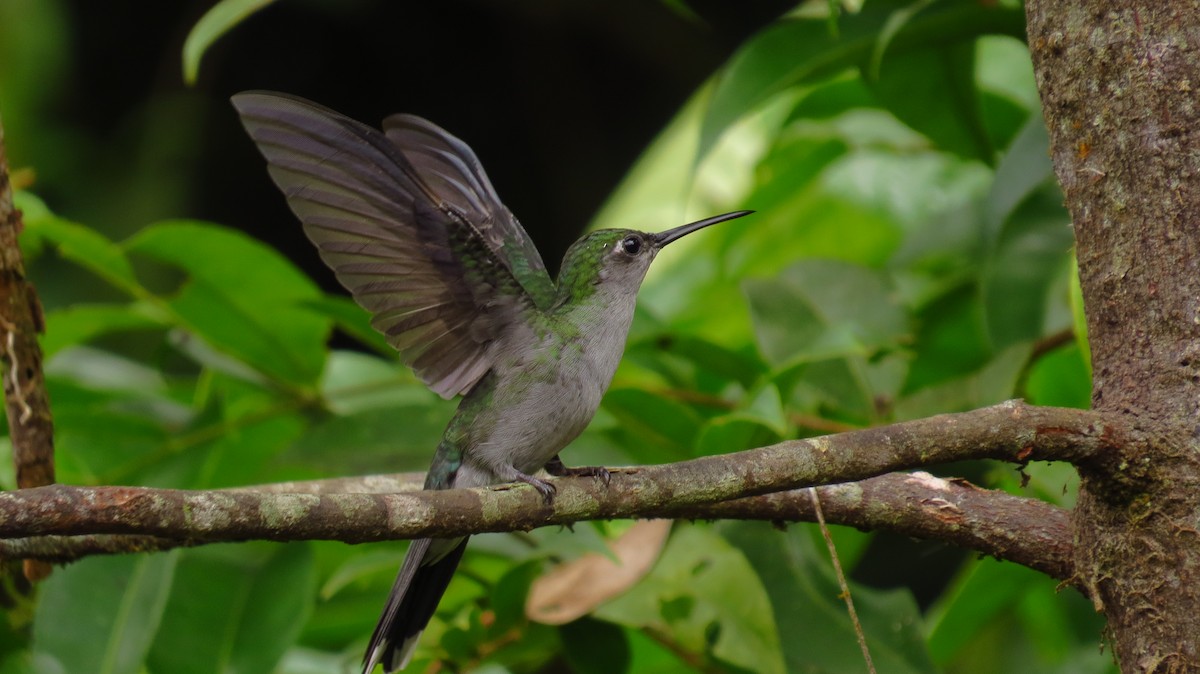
{"points": [[841, 578]]}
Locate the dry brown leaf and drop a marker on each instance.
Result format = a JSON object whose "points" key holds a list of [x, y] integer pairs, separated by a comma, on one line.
{"points": [[570, 591]]}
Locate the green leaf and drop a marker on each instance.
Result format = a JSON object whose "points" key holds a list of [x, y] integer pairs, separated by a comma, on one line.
{"points": [[951, 340], [111, 415], [733, 433], [821, 309], [382, 439], [242, 297], [593, 646], [356, 382], [715, 358], [1031, 251], [218, 20], [85, 247], [353, 320], [991, 384], [708, 599], [1022, 170], [666, 427], [80, 323], [358, 568], [101, 614], [508, 596], [802, 51], [806, 607], [933, 91], [1060, 379], [1000, 617], [235, 609]]}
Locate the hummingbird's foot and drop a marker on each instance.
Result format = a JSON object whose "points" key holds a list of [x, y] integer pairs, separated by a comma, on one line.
{"points": [[544, 488], [556, 468]]}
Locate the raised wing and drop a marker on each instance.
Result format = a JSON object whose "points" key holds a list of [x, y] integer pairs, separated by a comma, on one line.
{"points": [[453, 171], [411, 234]]}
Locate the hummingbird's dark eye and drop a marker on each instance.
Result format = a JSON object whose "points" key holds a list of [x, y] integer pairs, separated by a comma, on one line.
{"points": [[631, 245]]}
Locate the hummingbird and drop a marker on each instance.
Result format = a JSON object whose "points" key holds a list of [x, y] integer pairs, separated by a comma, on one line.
{"points": [[412, 227]]}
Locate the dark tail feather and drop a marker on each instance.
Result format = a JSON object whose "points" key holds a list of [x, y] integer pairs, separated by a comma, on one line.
{"points": [[422, 580]]}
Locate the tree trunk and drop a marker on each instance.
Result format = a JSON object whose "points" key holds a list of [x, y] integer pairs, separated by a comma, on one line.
{"points": [[1120, 83]]}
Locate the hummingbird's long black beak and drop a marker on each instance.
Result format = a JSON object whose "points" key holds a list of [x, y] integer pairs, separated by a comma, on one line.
{"points": [[663, 238]]}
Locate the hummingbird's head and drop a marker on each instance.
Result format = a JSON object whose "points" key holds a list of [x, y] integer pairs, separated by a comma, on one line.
{"points": [[619, 258]]}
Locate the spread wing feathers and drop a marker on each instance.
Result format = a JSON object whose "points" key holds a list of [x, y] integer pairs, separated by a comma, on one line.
{"points": [[413, 240], [453, 171]]}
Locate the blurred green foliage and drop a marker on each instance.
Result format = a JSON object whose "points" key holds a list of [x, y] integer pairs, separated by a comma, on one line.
{"points": [[910, 256]]}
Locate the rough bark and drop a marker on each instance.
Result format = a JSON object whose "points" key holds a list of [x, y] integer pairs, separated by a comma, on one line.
{"points": [[1026, 531], [26, 404], [1119, 82]]}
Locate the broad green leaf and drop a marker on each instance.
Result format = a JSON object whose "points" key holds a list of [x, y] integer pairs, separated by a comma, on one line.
{"points": [[242, 297], [1031, 251], [933, 91], [359, 567], [951, 340], [714, 358], [981, 592], [381, 439], [991, 384], [217, 21], [651, 656], [355, 382], [353, 320], [101, 614], [80, 323], [789, 167], [810, 614], [832, 99], [1005, 68], [998, 616], [666, 428], [83, 246], [1060, 379], [707, 598], [595, 647], [821, 309], [1008, 90], [509, 593], [235, 609], [733, 433], [111, 416], [801, 51], [249, 446], [1024, 167]]}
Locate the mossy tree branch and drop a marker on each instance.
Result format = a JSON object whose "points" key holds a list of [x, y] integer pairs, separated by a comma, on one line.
{"points": [[727, 486]]}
